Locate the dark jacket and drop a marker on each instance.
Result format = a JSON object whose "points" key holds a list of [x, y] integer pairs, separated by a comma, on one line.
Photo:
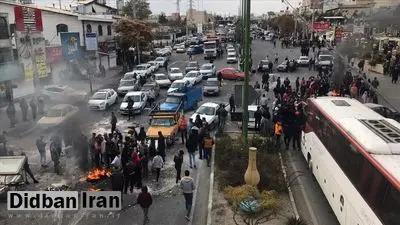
{"points": [[144, 200], [178, 159], [117, 181], [161, 144]]}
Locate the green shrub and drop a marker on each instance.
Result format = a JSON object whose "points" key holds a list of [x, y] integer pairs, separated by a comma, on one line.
{"points": [[295, 221]]}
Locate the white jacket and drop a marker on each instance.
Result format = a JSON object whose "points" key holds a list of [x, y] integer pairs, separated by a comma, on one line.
{"points": [[157, 162]]}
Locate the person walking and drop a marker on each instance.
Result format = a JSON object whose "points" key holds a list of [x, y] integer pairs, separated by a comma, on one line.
{"points": [[161, 145], [24, 109], [145, 200], [375, 83], [208, 143], [55, 152], [183, 127], [223, 115], [178, 160], [232, 103], [187, 185], [117, 180], [130, 108], [40, 104], [114, 121], [257, 118], [191, 145], [137, 170], [11, 114], [157, 164], [28, 170], [32, 104], [278, 133], [41, 146], [219, 77]]}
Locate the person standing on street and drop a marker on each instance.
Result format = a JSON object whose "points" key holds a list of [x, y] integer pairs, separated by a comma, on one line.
{"points": [[145, 200], [117, 180], [11, 114], [166, 66], [208, 143], [161, 145], [28, 170], [232, 103], [130, 108], [40, 104], [24, 109], [183, 127], [157, 164], [178, 160], [187, 185], [219, 77], [191, 145], [32, 104], [375, 83], [55, 152], [223, 115], [257, 118], [41, 146], [114, 121]]}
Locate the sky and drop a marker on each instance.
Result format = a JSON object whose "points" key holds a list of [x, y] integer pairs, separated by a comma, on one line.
{"points": [[221, 7]]}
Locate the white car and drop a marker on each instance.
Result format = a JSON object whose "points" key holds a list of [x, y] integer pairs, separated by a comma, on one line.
{"points": [[143, 70], [162, 80], [178, 84], [130, 76], [57, 115], [230, 50], [161, 61], [126, 86], [231, 57], [63, 94], [102, 99], [193, 77], [175, 74], [208, 70], [139, 102], [154, 65], [209, 112], [303, 61], [181, 49]]}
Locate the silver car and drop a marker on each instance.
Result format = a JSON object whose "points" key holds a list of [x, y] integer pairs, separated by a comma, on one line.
{"points": [[126, 86], [211, 87]]}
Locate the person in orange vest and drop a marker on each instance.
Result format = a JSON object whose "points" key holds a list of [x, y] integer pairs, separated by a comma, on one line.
{"points": [[183, 129], [208, 143], [278, 133]]}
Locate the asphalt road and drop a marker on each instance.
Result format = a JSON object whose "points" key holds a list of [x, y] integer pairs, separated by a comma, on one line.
{"points": [[168, 205]]}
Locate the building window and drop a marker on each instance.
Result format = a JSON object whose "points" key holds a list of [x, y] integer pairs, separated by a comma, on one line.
{"points": [[109, 32], [3, 28], [100, 30], [61, 28], [88, 28]]}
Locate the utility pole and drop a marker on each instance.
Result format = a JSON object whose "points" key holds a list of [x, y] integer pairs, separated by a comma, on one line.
{"points": [[134, 16], [246, 71], [189, 20]]}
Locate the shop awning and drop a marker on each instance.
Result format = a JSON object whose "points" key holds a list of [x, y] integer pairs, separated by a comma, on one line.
{"points": [[10, 72]]}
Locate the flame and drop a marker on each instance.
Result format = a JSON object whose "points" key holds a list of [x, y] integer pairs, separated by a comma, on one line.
{"points": [[98, 174], [94, 189]]}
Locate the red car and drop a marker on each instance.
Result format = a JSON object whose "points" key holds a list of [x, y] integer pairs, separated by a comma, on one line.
{"points": [[231, 74]]}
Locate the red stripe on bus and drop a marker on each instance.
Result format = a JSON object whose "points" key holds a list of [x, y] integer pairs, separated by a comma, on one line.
{"points": [[361, 149]]}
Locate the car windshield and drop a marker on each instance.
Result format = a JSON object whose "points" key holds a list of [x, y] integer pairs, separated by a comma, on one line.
{"points": [[99, 96], [175, 70], [161, 77], [162, 122], [192, 64], [177, 85], [147, 87], [141, 68], [160, 59], [135, 98], [191, 74], [127, 83], [173, 99], [264, 62], [129, 76], [54, 113], [206, 110], [206, 67], [151, 63], [212, 83], [325, 58], [303, 58]]}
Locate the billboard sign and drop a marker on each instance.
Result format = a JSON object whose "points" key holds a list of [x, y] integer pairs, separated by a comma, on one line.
{"points": [[320, 26], [70, 44], [91, 41], [317, 4], [28, 19]]}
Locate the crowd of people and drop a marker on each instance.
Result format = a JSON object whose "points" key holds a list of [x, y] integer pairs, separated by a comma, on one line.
{"points": [[36, 106]]}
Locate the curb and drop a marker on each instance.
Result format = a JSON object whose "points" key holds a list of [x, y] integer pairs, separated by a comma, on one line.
{"points": [[211, 191], [291, 197]]}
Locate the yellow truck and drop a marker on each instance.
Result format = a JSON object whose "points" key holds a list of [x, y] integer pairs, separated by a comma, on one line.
{"points": [[167, 122]]}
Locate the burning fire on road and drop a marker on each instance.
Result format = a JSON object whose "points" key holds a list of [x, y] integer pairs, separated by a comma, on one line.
{"points": [[94, 189], [97, 175]]}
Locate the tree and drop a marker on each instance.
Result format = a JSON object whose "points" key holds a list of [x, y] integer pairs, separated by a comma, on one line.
{"points": [[162, 18], [286, 24], [142, 9], [132, 33]]}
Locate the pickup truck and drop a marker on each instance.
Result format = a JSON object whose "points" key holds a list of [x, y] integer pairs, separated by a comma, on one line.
{"points": [[165, 121], [186, 98]]}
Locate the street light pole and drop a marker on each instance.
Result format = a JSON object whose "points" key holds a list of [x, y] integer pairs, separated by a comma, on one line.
{"points": [[246, 71]]}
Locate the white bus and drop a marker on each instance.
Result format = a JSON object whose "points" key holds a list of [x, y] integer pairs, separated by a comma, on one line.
{"points": [[354, 154]]}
